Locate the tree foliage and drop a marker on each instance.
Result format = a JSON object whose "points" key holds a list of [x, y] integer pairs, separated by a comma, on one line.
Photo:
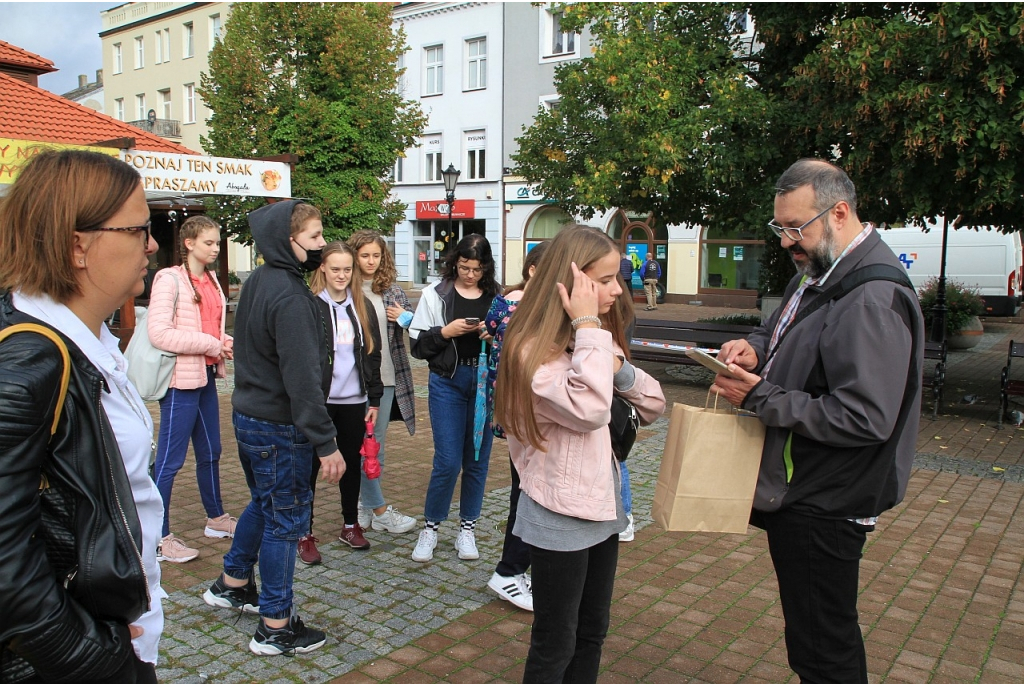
{"points": [[317, 80], [919, 102], [663, 117]]}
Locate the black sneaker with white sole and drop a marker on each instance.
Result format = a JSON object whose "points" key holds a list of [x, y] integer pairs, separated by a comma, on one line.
{"points": [[245, 598], [294, 638]]}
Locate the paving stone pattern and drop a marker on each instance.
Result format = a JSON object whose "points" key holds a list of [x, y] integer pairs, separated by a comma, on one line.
{"points": [[942, 596]]}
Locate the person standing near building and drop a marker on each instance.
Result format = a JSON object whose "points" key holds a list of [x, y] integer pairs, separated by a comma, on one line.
{"points": [[651, 271], [839, 391], [394, 314], [282, 375], [626, 269], [354, 397], [186, 316], [565, 355], [446, 331]]}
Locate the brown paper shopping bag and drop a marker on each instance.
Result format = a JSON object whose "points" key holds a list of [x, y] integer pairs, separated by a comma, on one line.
{"points": [[708, 471]]}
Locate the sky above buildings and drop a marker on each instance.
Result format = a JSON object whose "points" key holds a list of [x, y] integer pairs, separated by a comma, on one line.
{"points": [[65, 32]]}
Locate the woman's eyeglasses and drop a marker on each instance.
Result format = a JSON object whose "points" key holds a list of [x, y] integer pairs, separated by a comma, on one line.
{"points": [[124, 229], [465, 270]]}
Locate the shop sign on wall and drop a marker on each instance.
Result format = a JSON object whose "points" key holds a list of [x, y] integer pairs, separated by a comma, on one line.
{"points": [[438, 209], [15, 154], [167, 172]]}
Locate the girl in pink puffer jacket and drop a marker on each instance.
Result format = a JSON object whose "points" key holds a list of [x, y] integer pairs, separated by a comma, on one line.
{"points": [[186, 316]]}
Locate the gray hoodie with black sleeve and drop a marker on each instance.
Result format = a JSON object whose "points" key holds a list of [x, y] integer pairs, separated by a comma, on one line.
{"points": [[282, 346]]}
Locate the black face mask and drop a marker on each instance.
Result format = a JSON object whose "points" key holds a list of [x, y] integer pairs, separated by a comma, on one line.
{"points": [[313, 259]]}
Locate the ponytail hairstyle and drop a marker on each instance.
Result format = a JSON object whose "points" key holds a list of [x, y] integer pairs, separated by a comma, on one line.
{"points": [[190, 230], [532, 258], [540, 329], [318, 284], [386, 274]]}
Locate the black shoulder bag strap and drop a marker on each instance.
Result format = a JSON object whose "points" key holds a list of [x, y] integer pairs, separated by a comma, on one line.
{"points": [[851, 281]]}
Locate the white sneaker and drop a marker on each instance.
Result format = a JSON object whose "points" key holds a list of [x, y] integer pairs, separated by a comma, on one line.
{"points": [[365, 516], [393, 521], [425, 545], [628, 534], [515, 589], [466, 545]]}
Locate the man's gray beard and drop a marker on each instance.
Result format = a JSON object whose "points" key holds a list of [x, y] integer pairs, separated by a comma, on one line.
{"points": [[822, 258]]}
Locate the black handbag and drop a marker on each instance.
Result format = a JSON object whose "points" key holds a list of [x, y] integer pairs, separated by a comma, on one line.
{"points": [[623, 427]]}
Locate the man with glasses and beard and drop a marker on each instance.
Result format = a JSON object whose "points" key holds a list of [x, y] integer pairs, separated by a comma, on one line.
{"points": [[835, 376]]}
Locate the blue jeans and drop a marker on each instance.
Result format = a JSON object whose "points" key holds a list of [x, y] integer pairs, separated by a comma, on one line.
{"points": [[451, 420], [276, 459], [627, 494], [370, 490], [185, 415]]}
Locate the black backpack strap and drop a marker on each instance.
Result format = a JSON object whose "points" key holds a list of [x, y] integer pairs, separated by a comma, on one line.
{"points": [[851, 281]]}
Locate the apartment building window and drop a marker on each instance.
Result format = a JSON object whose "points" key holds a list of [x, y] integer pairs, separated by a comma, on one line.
{"points": [[476, 63], [119, 108], [188, 41], [403, 77], [190, 103], [397, 171], [431, 145], [550, 103], [158, 46], [433, 60], [475, 145], [562, 42], [118, 59], [165, 103], [165, 39], [140, 106], [140, 53], [215, 34]]}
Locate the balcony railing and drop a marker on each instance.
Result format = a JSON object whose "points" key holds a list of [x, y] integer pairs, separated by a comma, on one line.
{"points": [[165, 128]]}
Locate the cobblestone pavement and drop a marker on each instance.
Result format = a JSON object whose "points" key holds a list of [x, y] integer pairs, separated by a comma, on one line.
{"points": [[942, 595]]}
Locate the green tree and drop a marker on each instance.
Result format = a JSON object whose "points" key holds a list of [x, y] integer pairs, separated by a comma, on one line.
{"points": [[664, 117], [919, 102], [319, 81]]}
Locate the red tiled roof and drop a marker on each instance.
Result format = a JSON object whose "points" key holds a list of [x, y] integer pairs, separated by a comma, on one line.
{"points": [[12, 54], [30, 113]]}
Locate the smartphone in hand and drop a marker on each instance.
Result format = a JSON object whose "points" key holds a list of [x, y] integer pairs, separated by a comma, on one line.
{"points": [[472, 321], [710, 362]]}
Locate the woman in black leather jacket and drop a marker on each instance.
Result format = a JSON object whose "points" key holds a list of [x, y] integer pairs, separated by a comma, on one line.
{"points": [[79, 515]]}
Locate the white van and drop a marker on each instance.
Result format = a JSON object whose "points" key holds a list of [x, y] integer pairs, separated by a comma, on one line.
{"points": [[984, 259]]}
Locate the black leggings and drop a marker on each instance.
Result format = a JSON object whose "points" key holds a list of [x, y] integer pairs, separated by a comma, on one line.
{"points": [[349, 424]]}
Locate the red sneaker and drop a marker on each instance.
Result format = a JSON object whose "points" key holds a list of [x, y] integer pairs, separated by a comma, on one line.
{"points": [[353, 537], [308, 553]]}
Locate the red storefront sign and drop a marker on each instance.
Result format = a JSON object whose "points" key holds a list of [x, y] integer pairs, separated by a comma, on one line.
{"points": [[438, 209]]}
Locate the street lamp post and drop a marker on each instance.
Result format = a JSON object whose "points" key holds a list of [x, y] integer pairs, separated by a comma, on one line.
{"points": [[938, 332], [451, 179]]}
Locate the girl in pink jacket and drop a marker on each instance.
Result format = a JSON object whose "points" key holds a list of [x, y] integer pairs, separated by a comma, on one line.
{"points": [[186, 316], [565, 354]]}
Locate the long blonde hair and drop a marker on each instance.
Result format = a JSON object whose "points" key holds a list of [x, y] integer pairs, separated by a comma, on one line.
{"points": [[318, 283], [540, 329], [386, 273]]}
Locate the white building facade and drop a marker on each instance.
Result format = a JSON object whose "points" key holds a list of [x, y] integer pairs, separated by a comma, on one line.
{"points": [[454, 70]]}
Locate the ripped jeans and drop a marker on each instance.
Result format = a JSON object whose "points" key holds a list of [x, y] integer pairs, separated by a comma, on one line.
{"points": [[277, 460]]}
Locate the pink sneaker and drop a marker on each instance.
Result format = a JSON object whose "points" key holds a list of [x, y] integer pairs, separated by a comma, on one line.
{"points": [[221, 527], [172, 549]]}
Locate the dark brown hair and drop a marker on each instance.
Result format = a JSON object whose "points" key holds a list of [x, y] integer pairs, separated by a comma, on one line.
{"points": [[57, 193]]}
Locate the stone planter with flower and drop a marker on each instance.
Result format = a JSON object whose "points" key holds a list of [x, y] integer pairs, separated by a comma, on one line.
{"points": [[963, 306]]}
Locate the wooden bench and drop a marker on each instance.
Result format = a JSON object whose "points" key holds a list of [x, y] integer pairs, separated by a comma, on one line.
{"points": [[1007, 385], [934, 377], [661, 340]]}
